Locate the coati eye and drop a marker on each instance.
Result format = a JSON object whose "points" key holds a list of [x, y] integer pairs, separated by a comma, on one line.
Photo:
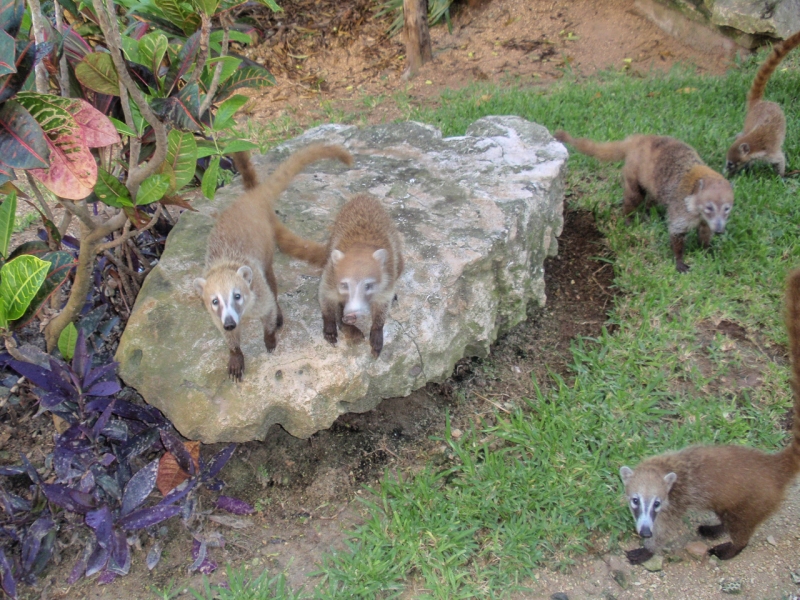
{"points": [[657, 504], [710, 208], [215, 302], [635, 501], [237, 297], [343, 287], [727, 209], [368, 286]]}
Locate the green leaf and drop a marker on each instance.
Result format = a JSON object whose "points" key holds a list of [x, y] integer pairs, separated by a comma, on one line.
{"points": [[96, 71], [224, 117], [205, 148], [272, 5], [8, 51], [20, 279], [233, 35], [238, 146], [152, 189], [181, 157], [172, 11], [122, 128], [206, 6], [138, 120], [209, 183], [250, 76], [152, 48], [67, 341], [60, 264], [229, 66], [130, 47], [110, 190], [8, 211]]}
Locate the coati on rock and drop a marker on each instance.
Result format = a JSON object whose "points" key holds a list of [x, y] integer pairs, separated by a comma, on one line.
{"points": [[672, 173], [743, 486], [239, 282], [764, 124], [361, 264]]}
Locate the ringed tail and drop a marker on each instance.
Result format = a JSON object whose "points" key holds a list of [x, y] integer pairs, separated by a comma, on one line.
{"points": [[607, 151], [793, 325], [768, 68]]}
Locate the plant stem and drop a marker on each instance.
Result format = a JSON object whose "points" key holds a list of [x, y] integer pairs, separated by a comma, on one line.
{"points": [[37, 23]]}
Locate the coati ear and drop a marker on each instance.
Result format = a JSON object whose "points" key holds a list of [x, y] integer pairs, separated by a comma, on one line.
{"points": [[199, 284], [380, 256], [625, 473], [336, 255], [669, 479], [245, 273], [744, 148]]}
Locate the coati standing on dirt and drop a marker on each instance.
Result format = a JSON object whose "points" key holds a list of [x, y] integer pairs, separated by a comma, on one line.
{"points": [[362, 262], [672, 173], [765, 124], [743, 486], [239, 281]]}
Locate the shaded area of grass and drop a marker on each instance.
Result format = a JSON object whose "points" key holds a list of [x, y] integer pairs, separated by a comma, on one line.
{"points": [[542, 484]]}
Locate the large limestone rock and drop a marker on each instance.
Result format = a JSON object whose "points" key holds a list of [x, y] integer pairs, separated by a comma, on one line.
{"points": [[774, 18], [479, 214]]}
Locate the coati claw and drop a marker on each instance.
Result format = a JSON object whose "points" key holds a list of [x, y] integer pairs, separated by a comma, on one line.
{"points": [[638, 556], [725, 551], [682, 267], [236, 364]]}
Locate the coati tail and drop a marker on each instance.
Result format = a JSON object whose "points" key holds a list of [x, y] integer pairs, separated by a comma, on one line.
{"points": [[768, 68], [242, 162], [608, 151], [793, 325], [297, 247]]}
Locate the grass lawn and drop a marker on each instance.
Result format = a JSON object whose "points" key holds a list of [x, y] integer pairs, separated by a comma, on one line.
{"points": [[478, 526]]}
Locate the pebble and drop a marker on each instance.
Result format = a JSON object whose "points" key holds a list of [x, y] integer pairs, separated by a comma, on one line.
{"points": [[696, 549], [456, 433], [655, 563], [559, 596], [731, 586], [771, 540]]}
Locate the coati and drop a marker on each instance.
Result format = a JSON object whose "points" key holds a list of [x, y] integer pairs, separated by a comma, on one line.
{"points": [[362, 262], [672, 173], [764, 124], [239, 282], [743, 486]]}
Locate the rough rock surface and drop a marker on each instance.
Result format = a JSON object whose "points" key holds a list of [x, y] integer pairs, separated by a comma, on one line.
{"points": [[479, 214], [773, 18]]}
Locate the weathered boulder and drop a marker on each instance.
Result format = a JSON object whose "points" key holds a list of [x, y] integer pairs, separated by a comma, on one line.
{"points": [[479, 214], [776, 18]]}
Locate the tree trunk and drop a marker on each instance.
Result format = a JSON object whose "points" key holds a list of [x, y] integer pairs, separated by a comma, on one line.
{"points": [[418, 37]]}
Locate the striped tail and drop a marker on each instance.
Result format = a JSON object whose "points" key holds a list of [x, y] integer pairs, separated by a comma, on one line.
{"points": [[608, 151], [768, 68]]}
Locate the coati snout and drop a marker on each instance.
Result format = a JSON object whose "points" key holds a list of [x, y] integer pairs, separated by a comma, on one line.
{"points": [[647, 495], [713, 200], [227, 296], [360, 277]]}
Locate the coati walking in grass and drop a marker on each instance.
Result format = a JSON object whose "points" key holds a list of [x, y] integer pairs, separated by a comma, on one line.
{"points": [[672, 173], [764, 124], [239, 282], [743, 486], [362, 262]]}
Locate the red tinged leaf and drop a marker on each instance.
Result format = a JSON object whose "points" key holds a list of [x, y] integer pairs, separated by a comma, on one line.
{"points": [[96, 128], [22, 141], [12, 83], [7, 54], [170, 475], [11, 12]]}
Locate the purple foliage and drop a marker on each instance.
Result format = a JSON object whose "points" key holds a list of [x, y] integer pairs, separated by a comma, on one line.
{"points": [[202, 563], [234, 506]]}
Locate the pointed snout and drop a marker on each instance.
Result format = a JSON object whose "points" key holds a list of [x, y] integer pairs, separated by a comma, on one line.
{"points": [[229, 324], [350, 318], [645, 532], [718, 226]]}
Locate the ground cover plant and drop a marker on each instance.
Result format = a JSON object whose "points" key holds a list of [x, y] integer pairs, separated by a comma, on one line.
{"points": [[541, 484]]}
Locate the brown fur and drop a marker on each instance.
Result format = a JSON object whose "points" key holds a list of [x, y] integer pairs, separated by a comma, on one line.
{"points": [[364, 245], [743, 486], [672, 173], [241, 247], [764, 124]]}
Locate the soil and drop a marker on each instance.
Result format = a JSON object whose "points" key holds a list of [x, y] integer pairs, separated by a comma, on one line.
{"points": [[306, 491]]}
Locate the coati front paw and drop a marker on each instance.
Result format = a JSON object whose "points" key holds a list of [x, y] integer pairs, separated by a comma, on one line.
{"points": [[270, 341], [376, 341], [638, 556], [725, 551], [330, 333], [711, 531], [682, 267], [236, 364]]}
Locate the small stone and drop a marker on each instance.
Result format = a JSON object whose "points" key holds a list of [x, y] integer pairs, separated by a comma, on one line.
{"points": [[559, 596], [621, 577], [456, 433], [654, 564], [795, 577], [771, 540], [696, 549], [731, 586], [609, 595]]}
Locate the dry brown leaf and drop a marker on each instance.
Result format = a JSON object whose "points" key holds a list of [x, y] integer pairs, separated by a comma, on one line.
{"points": [[170, 475]]}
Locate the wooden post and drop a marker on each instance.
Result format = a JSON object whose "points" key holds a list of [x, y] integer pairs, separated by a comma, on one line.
{"points": [[418, 37]]}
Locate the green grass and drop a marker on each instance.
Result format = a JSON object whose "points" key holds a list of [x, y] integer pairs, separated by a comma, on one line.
{"points": [[548, 489]]}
